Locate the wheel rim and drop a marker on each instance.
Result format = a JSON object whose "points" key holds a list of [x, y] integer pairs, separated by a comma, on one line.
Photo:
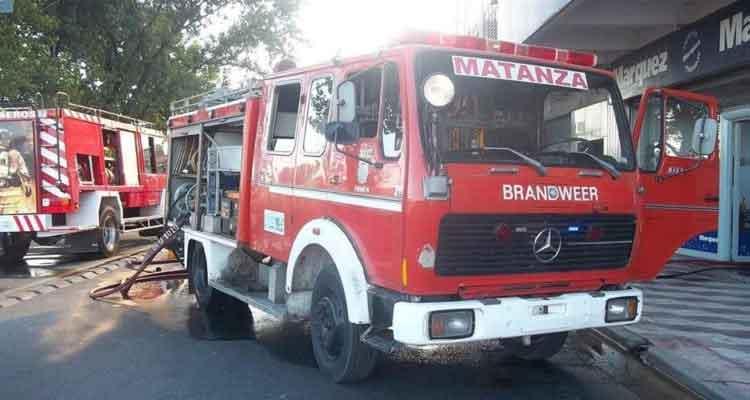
{"points": [[330, 327], [109, 234]]}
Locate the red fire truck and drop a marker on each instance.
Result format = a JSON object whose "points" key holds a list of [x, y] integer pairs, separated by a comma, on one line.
{"points": [[446, 189], [77, 174]]}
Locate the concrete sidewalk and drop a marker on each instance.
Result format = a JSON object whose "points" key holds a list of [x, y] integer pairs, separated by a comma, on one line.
{"points": [[698, 325]]}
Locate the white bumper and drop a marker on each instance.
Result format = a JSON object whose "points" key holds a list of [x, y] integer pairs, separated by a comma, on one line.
{"points": [[24, 222], [509, 317]]}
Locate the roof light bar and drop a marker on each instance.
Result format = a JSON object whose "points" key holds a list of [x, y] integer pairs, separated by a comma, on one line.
{"points": [[499, 46]]}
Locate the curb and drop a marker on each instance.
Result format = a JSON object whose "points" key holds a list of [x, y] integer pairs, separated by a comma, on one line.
{"points": [[78, 275], [670, 365]]}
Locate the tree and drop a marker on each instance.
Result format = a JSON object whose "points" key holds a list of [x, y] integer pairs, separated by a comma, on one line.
{"points": [[135, 56]]}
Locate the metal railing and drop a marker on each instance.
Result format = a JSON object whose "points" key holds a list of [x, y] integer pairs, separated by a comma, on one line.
{"points": [[99, 113], [211, 98]]}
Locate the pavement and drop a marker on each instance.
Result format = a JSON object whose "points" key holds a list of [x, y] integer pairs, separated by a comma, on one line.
{"points": [[62, 345], [44, 262], [698, 326]]}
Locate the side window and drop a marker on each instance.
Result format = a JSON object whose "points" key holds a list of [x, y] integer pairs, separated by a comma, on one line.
{"points": [[392, 123], [318, 110], [649, 143], [159, 146], [679, 120], [284, 117], [147, 143]]}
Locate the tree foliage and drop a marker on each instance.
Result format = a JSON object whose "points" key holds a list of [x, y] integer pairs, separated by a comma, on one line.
{"points": [[135, 56]]}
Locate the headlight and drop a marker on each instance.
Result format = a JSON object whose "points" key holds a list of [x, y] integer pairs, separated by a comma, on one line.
{"points": [[451, 324], [621, 309], [439, 90]]}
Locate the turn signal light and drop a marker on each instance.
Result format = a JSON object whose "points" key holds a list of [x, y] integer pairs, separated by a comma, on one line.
{"points": [[621, 309]]}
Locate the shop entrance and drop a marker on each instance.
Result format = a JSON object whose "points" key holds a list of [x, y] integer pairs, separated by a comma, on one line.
{"points": [[741, 190]]}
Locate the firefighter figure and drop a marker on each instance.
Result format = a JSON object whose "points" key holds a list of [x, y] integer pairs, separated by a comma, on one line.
{"points": [[13, 169]]}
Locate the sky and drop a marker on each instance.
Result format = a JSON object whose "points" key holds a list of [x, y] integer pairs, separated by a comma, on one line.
{"points": [[331, 28], [351, 27]]}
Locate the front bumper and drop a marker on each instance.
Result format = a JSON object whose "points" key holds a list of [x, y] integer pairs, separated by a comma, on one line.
{"points": [[509, 317]]}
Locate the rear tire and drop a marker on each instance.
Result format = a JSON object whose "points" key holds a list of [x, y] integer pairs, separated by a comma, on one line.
{"points": [[221, 310], [14, 248], [542, 346], [336, 342], [108, 234]]}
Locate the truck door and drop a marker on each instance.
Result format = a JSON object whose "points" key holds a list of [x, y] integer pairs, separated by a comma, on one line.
{"points": [[678, 168]]}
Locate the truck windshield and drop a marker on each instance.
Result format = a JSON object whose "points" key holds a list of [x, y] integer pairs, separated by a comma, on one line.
{"points": [[556, 116]]}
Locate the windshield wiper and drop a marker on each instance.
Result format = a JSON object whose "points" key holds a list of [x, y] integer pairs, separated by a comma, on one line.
{"points": [[605, 165], [540, 169]]}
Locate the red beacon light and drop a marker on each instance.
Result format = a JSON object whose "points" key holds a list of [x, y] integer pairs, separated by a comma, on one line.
{"points": [[499, 46]]}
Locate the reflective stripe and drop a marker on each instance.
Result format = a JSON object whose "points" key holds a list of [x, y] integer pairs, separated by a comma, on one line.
{"points": [[52, 173], [377, 203], [53, 157]]}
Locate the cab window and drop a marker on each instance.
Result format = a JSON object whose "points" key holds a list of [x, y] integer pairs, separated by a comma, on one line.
{"points": [[368, 101], [649, 143], [318, 110], [284, 118], [679, 120], [392, 130]]}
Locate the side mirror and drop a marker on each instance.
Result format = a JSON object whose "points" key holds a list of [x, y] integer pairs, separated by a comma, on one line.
{"points": [[342, 132], [705, 131], [347, 101]]}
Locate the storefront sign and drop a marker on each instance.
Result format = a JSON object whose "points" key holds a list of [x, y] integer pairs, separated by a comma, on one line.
{"points": [[716, 43]]}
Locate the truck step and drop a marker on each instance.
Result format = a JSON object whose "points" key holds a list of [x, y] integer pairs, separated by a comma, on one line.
{"points": [[258, 300]]}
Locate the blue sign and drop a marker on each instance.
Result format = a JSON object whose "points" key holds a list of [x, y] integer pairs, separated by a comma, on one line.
{"points": [[716, 43], [707, 242], [6, 6]]}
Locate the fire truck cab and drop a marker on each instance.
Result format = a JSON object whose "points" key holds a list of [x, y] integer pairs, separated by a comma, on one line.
{"points": [[78, 177], [446, 189]]}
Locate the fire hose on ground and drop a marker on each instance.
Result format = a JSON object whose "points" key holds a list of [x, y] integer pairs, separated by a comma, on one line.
{"points": [[125, 285]]}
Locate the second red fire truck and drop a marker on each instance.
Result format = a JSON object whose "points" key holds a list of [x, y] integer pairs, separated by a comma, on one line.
{"points": [[446, 189], [79, 175]]}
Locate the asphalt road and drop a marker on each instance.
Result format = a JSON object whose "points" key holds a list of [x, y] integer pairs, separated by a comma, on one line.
{"points": [[44, 262], [62, 345]]}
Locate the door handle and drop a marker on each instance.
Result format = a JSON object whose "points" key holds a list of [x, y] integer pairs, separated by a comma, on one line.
{"points": [[334, 180], [711, 198]]}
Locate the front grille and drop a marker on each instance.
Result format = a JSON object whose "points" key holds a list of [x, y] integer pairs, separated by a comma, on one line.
{"points": [[470, 244]]}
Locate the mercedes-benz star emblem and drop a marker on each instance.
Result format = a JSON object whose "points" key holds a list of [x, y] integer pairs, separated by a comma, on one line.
{"points": [[547, 245]]}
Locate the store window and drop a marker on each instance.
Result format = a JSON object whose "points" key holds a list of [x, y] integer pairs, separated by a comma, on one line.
{"points": [[318, 110]]}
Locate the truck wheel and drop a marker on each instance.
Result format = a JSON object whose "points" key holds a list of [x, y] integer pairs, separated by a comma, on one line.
{"points": [[542, 346], [336, 342], [216, 304], [14, 247], [108, 234]]}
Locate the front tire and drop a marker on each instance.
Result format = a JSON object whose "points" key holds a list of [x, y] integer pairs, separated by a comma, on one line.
{"points": [[336, 342], [14, 248], [108, 234]]}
